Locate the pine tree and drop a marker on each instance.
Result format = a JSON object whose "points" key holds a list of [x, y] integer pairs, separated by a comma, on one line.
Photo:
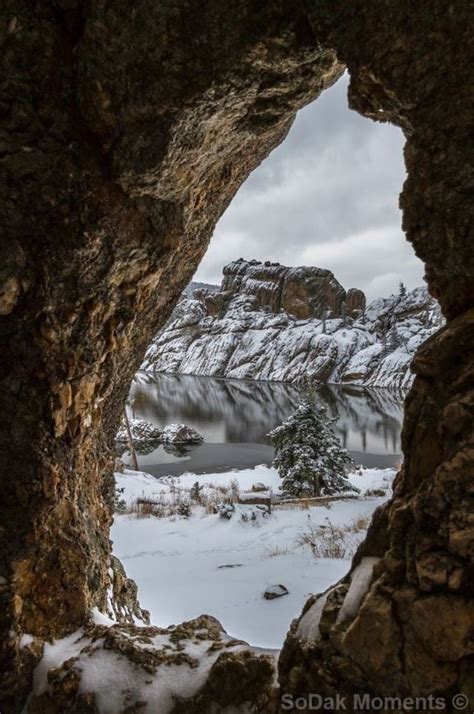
{"points": [[402, 291], [394, 339], [308, 453]]}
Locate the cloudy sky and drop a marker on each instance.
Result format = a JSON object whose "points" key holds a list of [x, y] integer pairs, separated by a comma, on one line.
{"points": [[327, 196]]}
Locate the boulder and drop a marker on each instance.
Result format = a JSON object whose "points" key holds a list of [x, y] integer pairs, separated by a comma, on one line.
{"points": [[180, 434], [142, 432], [275, 591]]}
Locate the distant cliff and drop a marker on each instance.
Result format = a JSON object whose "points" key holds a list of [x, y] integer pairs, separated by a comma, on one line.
{"points": [[303, 292], [271, 322]]}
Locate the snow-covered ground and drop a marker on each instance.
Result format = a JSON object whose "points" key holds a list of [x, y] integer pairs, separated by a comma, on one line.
{"points": [[185, 567]]}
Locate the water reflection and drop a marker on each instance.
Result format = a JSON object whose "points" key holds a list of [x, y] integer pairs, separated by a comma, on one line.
{"points": [[240, 412]]}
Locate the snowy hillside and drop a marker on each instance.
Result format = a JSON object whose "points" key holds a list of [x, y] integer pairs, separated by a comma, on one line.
{"points": [[245, 339]]}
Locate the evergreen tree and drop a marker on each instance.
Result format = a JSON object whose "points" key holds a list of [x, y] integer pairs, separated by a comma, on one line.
{"points": [[308, 453], [402, 291], [394, 339]]}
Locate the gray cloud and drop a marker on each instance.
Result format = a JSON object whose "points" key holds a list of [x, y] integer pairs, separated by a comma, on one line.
{"points": [[328, 196]]}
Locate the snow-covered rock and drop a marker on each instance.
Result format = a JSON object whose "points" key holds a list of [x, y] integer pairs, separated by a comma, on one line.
{"points": [[259, 488], [142, 432], [146, 436], [275, 591], [180, 434], [361, 577], [241, 332], [117, 668]]}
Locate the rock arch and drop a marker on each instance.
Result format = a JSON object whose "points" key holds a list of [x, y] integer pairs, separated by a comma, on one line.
{"points": [[125, 130]]}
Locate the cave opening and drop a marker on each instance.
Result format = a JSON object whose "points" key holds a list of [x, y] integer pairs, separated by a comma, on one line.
{"points": [[343, 203], [125, 140]]}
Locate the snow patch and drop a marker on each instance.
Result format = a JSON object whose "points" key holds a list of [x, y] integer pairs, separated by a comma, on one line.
{"points": [[361, 578], [26, 640], [98, 618], [308, 626]]}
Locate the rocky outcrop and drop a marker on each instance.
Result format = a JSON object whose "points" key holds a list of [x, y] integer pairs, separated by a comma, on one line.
{"points": [[181, 434], [244, 332], [146, 437], [205, 287], [125, 131], [123, 605], [193, 667], [302, 292], [141, 431], [355, 303]]}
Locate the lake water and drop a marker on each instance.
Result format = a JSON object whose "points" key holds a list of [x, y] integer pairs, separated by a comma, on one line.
{"points": [[235, 416]]}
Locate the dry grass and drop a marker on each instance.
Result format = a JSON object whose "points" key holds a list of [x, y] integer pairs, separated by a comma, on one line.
{"points": [[180, 501], [330, 541], [275, 551]]}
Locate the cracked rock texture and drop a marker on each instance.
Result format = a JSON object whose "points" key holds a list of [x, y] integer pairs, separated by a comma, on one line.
{"points": [[125, 130]]}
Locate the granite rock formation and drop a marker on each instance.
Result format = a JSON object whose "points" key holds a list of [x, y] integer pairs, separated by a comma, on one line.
{"points": [[243, 331], [125, 130], [303, 292]]}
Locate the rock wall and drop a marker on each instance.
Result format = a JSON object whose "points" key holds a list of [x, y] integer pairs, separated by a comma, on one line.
{"points": [[243, 332], [125, 131], [409, 632]]}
